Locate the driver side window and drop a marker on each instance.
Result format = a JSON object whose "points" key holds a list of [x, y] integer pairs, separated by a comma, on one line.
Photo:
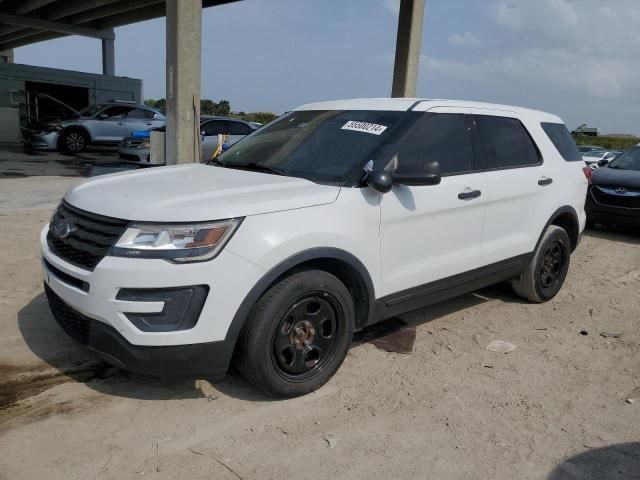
{"points": [[443, 137], [114, 113]]}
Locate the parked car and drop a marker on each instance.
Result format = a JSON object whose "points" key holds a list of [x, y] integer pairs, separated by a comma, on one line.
{"points": [[333, 217], [614, 193], [101, 124], [136, 149], [598, 158]]}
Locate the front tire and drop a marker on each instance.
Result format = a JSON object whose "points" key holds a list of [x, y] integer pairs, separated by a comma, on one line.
{"points": [[74, 141], [548, 268], [297, 334]]}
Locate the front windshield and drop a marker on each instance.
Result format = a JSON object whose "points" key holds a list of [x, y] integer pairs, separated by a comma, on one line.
{"points": [[629, 160], [320, 145], [91, 110]]}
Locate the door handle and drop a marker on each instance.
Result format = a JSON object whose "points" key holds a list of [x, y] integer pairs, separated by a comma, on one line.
{"points": [[469, 194], [545, 181], [121, 123], [149, 123]]}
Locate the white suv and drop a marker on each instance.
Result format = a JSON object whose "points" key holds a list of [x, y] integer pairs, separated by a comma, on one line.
{"points": [[333, 217]]}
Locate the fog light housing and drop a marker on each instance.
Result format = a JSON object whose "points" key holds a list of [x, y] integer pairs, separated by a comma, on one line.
{"points": [[182, 307]]}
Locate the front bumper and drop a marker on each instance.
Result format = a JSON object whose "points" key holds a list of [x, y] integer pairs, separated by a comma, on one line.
{"points": [[139, 156], [41, 140], [211, 359], [598, 212], [92, 297]]}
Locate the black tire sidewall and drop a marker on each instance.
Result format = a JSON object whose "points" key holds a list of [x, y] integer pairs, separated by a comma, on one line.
{"points": [[558, 234], [256, 361]]}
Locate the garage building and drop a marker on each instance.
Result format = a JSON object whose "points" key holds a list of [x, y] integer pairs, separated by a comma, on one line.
{"points": [[28, 92]]}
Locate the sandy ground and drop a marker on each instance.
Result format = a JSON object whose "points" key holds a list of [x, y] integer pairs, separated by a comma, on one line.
{"points": [[556, 407]]}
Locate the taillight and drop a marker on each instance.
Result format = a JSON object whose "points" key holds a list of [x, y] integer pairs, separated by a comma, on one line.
{"points": [[587, 173]]}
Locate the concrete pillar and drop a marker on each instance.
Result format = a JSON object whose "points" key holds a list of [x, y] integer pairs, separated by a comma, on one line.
{"points": [[184, 39], [6, 56], [108, 57], [405, 70]]}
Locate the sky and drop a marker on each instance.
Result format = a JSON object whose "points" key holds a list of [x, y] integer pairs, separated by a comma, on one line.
{"points": [[579, 59]]}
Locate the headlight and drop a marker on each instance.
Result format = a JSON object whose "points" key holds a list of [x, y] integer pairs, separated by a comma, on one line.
{"points": [[178, 243], [145, 144]]}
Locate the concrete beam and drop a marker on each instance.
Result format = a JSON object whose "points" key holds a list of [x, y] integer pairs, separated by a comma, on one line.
{"points": [[108, 57], [409, 39], [58, 27], [184, 45]]}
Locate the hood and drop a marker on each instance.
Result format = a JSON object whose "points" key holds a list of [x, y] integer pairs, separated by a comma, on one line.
{"points": [[195, 192], [616, 178]]}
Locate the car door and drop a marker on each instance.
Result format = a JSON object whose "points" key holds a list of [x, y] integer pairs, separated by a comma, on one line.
{"points": [[109, 125], [519, 186], [431, 233], [139, 119], [210, 131], [237, 131]]}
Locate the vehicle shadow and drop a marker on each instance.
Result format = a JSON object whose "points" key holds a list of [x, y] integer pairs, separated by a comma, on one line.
{"points": [[620, 461], [50, 343], [627, 235]]}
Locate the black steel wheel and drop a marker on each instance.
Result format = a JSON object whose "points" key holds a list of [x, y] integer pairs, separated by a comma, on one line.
{"points": [[548, 267], [297, 334], [307, 335], [552, 263]]}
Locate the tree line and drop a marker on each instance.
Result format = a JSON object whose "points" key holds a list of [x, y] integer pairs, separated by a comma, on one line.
{"points": [[221, 109]]}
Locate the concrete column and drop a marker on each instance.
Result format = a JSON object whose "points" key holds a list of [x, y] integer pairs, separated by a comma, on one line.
{"points": [[405, 70], [184, 39], [6, 56], [108, 57]]}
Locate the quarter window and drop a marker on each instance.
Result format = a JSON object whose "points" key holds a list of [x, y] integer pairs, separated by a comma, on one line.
{"points": [[504, 143], [444, 137], [239, 128], [563, 141]]}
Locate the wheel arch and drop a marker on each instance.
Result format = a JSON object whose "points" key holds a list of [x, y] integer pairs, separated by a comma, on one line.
{"points": [[566, 218], [345, 266]]}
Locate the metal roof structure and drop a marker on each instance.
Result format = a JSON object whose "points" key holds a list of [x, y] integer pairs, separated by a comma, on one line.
{"points": [[23, 22]]}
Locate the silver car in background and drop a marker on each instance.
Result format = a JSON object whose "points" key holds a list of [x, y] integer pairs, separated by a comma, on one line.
{"points": [[138, 150], [100, 124]]}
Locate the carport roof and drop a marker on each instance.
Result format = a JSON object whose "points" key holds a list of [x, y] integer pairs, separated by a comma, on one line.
{"points": [[23, 22]]}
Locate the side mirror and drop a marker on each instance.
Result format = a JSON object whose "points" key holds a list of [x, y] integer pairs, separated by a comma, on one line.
{"points": [[430, 176], [380, 180], [603, 163]]}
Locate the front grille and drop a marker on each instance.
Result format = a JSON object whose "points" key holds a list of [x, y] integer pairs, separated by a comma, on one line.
{"points": [[128, 156], [91, 236], [630, 198], [73, 322]]}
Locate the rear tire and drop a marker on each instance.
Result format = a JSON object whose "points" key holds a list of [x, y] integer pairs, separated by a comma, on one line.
{"points": [[548, 268], [74, 141], [297, 335]]}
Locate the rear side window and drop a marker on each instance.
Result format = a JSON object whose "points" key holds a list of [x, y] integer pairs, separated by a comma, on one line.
{"points": [[215, 127], [563, 141], [505, 143], [238, 128], [443, 137]]}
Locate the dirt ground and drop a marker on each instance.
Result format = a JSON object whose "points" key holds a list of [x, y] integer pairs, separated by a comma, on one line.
{"points": [[564, 404]]}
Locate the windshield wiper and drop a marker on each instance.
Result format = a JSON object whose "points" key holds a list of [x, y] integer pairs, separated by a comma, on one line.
{"points": [[255, 167]]}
